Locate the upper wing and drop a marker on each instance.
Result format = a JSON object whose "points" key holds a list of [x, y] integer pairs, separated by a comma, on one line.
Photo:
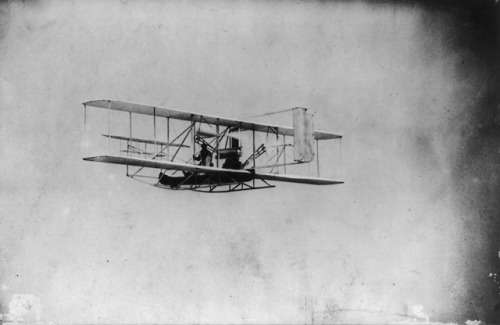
{"points": [[180, 115], [162, 164], [297, 179]]}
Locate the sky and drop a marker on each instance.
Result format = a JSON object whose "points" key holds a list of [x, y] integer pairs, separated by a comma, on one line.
{"points": [[412, 234]]}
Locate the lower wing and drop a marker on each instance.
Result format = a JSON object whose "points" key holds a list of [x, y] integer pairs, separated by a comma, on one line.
{"points": [[162, 164], [297, 179]]}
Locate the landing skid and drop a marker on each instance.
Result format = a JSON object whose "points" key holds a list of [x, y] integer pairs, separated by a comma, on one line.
{"points": [[222, 188], [211, 187], [222, 183]]}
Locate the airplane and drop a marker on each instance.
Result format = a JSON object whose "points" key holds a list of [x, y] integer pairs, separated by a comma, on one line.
{"points": [[220, 167]]}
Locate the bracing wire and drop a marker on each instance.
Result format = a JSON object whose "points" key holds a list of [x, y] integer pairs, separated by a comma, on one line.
{"points": [[341, 171], [270, 113]]}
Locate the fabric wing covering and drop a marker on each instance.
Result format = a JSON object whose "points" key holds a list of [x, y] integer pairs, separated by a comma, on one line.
{"points": [[169, 165], [187, 116], [303, 136]]}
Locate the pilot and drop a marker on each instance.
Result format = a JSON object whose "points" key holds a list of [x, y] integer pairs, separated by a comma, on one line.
{"points": [[233, 157], [232, 161], [205, 156]]}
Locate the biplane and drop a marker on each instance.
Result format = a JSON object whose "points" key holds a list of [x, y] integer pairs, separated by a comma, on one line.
{"points": [[208, 153]]}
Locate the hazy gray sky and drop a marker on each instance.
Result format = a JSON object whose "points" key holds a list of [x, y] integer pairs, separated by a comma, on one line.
{"points": [[85, 244]]}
